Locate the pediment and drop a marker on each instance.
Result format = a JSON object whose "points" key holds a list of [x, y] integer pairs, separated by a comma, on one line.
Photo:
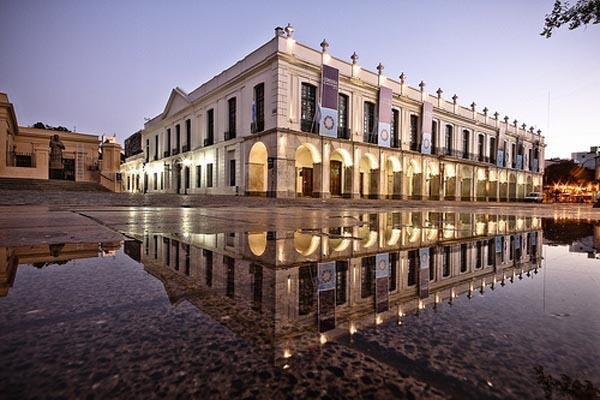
{"points": [[178, 100]]}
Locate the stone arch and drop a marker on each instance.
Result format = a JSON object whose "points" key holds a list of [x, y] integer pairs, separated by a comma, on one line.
{"points": [[512, 187], [432, 181], [306, 159], [340, 173], [413, 180], [257, 183], [393, 177], [368, 176], [257, 242], [306, 243]]}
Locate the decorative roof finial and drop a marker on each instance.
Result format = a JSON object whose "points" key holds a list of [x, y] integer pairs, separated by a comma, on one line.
{"points": [[455, 98], [515, 122], [289, 29], [354, 58], [485, 111], [380, 68], [422, 86], [279, 31], [473, 105], [324, 45], [439, 93], [524, 126], [506, 119], [531, 129], [402, 78], [539, 131], [496, 114]]}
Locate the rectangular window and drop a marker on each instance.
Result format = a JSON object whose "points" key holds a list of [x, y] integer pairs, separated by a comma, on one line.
{"points": [[259, 99], [481, 148], [198, 175], [232, 172], [446, 262], [155, 147], [431, 263], [155, 181], [147, 155], [209, 175], [177, 139], [394, 260], [465, 144], [493, 150], [369, 133], [168, 150], [448, 140], [414, 133], [186, 175], [367, 276], [413, 265], [341, 277], [308, 107], [188, 135], [491, 251], [231, 118], [434, 136], [463, 257], [306, 289], [479, 255], [210, 127], [208, 265], [513, 155], [395, 129], [343, 129]]}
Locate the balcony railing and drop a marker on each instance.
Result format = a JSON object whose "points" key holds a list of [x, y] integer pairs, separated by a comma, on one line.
{"points": [[230, 135], [209, 141], [166, 153], [22, 160], [174, 152], [343, 133], [185, 147], [308, 125], [370, 138]]}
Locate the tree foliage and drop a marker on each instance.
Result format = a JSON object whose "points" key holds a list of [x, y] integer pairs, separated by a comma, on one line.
{"points": [[41, 125], [583, 12]]}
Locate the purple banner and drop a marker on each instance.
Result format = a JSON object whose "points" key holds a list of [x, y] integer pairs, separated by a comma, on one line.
{"points": [[426, 127], [385, 116], [326, 310], [329, 87], [328, 113], [382, 300]]}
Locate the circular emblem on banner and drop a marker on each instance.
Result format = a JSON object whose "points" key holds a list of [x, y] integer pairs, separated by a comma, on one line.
{"points": [[328, 122], [326, 276], [426, 143], [385, 135], [382, 265]]}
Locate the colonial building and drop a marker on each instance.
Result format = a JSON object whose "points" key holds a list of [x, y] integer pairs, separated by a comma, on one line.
{"points": [[288, 120], [27, 153], [292, 289]]}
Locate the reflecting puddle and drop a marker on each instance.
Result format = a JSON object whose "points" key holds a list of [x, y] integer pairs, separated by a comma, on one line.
{"points": [[435, 304]]}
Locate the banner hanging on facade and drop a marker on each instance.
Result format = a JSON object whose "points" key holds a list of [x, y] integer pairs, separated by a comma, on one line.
{"points": [[426, 123], [385, 117], [326, 296], [424, 272], [500, 158], [519, 161], [382, 282], [329, 102]]}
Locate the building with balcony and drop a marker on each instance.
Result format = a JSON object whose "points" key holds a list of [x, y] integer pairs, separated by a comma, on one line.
{"points": [[257, 128], [25, 153]]}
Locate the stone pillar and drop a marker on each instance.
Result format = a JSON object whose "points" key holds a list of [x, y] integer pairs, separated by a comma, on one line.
{"points": [[355, 193], [281, 176], [325, 171]]}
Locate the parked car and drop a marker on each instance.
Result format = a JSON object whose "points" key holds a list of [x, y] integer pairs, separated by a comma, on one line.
{"points": [[534, 197]]}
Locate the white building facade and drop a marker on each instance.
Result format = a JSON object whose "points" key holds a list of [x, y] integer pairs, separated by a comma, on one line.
{"points": [[253, 130]]}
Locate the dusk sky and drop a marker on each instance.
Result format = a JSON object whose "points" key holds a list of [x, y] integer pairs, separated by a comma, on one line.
{"points": [[104, 66]]}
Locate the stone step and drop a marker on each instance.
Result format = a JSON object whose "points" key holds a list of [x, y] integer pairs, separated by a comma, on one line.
{"points": [[50, 185]]}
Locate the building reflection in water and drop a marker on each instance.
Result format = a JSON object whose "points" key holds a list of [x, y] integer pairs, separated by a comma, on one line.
{"points": [[284, 291]]}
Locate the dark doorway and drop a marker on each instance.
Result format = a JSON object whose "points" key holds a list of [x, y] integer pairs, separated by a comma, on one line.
{"points": [[178, 178], [307, 181], [335, 178], [361, 186]]}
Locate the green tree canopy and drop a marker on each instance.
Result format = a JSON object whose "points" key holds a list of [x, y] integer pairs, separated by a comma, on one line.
{"points": [[583, 12]]}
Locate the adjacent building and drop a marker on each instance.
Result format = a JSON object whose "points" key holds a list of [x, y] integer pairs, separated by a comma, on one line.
{"points": [[25, 153], [288, 121]]}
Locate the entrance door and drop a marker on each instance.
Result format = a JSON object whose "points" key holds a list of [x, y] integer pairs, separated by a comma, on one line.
{"points": [[307, 181], [178, 172], [69, 170], [361, 185], [335, 178]]}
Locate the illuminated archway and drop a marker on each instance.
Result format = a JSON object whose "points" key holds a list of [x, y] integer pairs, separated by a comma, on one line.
{"points": [[257, 169]]}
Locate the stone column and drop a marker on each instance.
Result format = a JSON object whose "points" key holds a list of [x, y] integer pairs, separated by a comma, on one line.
{"points": [[281, 175], [381, 188]]}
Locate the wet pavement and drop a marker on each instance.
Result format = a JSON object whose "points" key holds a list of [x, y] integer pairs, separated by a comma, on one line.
{"points": [[293, 303]]}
